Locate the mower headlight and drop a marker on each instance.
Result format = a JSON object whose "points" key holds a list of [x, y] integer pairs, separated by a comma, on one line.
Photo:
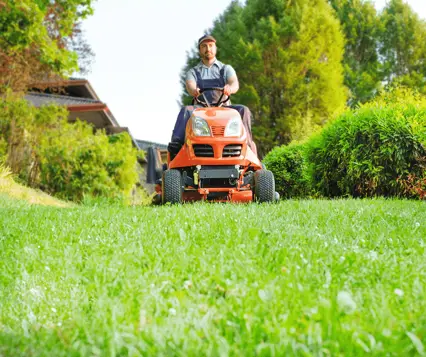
{"points": [[233, 128], [200, 127]]}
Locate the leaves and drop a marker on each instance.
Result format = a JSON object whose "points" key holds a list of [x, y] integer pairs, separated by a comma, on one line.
{"points": [[34, 40], [366, 152], [65, 159], [361, 26]]}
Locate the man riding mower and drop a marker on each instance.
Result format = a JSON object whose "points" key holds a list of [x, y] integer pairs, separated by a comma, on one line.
{"points": [[215, 163]]}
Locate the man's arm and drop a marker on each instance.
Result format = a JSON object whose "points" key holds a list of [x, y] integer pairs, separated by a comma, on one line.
{"points": [[191, 87], [232, 86]]}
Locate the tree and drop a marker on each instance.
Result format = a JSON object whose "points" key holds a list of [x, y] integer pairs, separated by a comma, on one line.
{"points": [[288, 58], [34, 39], [78, 44], [361, 26], [403, 46]]}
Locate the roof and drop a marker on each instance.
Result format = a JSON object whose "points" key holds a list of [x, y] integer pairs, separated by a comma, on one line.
{"points": [[39, 99], [82, 103], [144, 145], [76, 105], [75, 87]]}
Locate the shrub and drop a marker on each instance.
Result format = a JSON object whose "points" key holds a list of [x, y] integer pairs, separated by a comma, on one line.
{"points": [[64, 159], [288, 163], [407, 101], [16, 117], [414, 186], [75, 162], [364, 152]]}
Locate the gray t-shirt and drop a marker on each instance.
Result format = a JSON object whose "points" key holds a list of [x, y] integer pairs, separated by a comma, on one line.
{"points": [[212, 72]]}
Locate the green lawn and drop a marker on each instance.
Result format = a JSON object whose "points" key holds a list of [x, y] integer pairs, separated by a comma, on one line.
{"points": [[320, 278]]}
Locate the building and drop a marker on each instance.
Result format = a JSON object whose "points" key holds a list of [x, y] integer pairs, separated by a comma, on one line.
{"points": [[81, 101]]}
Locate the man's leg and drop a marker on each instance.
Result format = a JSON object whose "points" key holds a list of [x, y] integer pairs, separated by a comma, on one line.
{"points": [[178, 136], [246, 117], [180, 125]]}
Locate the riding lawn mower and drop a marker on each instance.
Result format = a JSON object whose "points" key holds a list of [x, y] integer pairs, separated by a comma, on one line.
{"points": [[215, 162]]}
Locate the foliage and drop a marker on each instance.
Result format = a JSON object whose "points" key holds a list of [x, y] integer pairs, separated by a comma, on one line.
{"points": [[299, 278], [415, 186], [20, 196], [287, 55], [403, 46], [381, 48], [364, 152], [75, 162], [289, 166], [16, 124], [408, 100], [34, 40], [67, 160], [361, 25], [5, 172]]}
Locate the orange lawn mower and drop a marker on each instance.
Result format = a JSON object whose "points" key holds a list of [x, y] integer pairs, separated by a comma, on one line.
{"points": [[215, 162]]}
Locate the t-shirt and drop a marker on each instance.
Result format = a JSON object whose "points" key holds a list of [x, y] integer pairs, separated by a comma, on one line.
{"points": [[212, 72]]}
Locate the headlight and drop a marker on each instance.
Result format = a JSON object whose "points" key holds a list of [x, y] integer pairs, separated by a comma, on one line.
{"points": [[200, 127], [233, 128]]}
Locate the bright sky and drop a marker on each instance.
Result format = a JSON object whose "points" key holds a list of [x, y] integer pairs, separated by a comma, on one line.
{"points": [[140, 48]]}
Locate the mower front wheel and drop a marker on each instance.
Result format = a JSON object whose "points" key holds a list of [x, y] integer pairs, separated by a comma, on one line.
{"points": [[172, 186], [264, 186]]}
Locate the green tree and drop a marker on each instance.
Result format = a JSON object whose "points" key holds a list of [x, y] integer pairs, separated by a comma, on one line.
{"points": [[361, 26], [35, 36], [288, 58], [403, 46]]}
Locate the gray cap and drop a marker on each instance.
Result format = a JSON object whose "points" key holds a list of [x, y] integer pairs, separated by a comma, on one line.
{"points": [[206, 38]]}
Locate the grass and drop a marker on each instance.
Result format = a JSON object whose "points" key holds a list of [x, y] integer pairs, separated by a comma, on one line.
{"points": [[303, 278], [10, 189]]}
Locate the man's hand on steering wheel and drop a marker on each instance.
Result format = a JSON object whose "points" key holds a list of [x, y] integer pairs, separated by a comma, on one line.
{"points": [[219, 102], [227, 90], [196, 93]]}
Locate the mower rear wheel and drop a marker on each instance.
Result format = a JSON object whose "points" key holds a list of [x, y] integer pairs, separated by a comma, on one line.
{"points": [[264, 186], [172, 186]]}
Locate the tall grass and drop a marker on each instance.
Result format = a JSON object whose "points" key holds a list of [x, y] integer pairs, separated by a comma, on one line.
{"points": [[10, 191]]}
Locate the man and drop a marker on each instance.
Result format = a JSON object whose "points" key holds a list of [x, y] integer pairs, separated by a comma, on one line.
{"points": [[209, 73]]}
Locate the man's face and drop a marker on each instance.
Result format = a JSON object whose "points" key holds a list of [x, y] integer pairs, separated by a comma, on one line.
{"points": [[207, 50]]}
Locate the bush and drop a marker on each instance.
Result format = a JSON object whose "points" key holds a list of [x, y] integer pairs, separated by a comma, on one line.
{"points": [[16, 117], [64, 159], [407, 101], [75, 162], [288, 164], [366, 152]]}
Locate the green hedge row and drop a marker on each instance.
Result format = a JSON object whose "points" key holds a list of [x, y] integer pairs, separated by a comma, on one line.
{"points": [[376, 150]]}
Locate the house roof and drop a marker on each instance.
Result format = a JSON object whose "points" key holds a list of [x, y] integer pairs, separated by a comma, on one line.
{"points": [[89, 110], [39, 99], [74, 87], [83, 103], [93, 111], [144, 145]]}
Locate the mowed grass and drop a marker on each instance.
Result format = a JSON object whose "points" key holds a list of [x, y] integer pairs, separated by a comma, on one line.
{"points": [[320, 278]]}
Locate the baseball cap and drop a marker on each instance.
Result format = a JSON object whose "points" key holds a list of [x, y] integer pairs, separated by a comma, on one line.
{"points": [[206, 38]]}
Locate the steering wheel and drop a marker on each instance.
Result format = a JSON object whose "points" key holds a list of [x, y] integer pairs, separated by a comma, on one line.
{"points": [[205, 102]]}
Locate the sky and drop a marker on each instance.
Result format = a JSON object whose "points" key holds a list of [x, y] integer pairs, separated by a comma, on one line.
{"points": [[140, 49]]}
